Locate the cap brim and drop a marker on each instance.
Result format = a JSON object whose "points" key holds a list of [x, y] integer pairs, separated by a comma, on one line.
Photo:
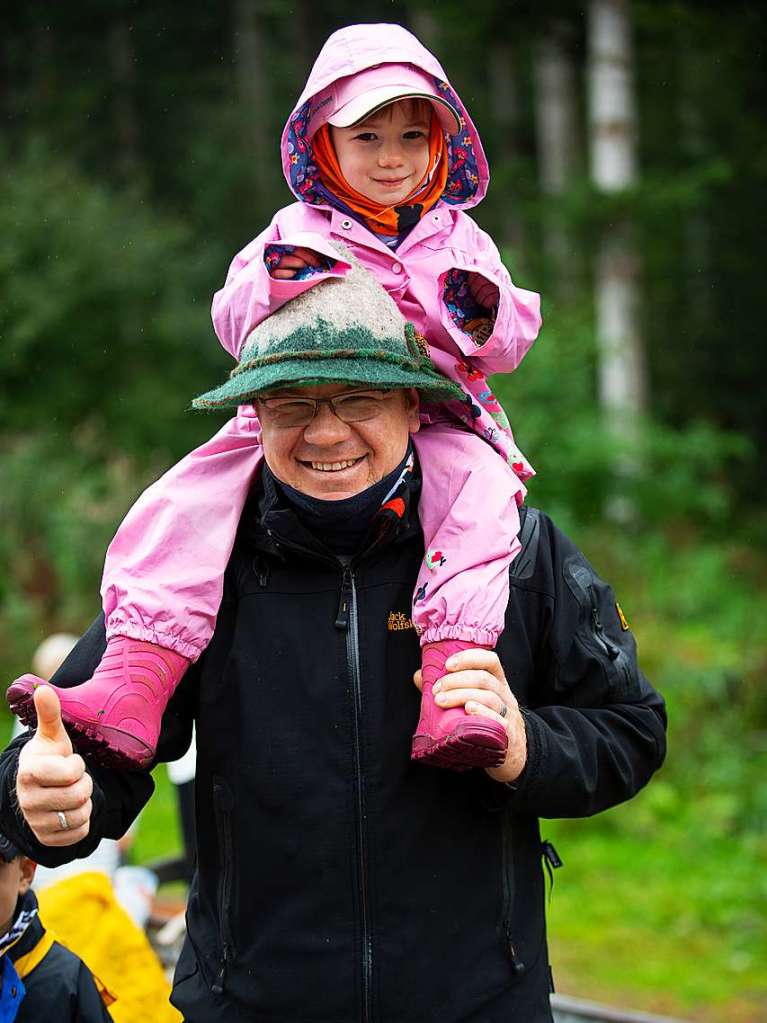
{"points": [[369, 103], [243, 388]]}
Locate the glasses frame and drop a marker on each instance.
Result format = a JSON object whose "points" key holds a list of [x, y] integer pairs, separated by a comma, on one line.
{"points": [[316, 402]]}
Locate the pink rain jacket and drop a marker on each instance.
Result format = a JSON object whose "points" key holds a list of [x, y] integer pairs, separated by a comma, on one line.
{"points": [[164, 570]]}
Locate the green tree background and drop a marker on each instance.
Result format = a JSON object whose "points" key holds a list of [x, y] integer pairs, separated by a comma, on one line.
{"points": [[139, 151]]}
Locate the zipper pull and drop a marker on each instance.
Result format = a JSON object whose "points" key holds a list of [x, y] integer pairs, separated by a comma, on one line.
{"points": [[551, 854], [551, 861], [344, 603], [218, 986], [612, 653], [516, 963]]}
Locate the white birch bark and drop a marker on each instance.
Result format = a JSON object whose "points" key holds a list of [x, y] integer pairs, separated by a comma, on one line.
{"points": [[253, 92], [122, 60], [556, 122], [612, 121], [425, 25], [504, 102]]}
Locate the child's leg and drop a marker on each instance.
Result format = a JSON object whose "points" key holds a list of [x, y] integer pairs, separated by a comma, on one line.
{"points": [[470, 519], [164, 570], [162, 587]]}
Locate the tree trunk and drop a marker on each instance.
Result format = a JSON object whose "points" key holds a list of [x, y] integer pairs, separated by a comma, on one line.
{"points": [[505, 107], [556, 118], [424, 24], [122, 61], [612, 119], [253, 93]]}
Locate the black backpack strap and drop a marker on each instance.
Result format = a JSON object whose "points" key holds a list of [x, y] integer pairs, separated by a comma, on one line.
{"points": [[523, 566]]}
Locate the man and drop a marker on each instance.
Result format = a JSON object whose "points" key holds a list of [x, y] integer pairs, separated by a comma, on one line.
{"points": [[338, 880]]}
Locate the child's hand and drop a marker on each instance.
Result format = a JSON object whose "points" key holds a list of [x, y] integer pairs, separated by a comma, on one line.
{"points": [[290, 264], [52, 786], [483, 291]]}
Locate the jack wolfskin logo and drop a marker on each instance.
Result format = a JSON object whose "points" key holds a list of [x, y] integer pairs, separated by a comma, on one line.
{"points": [[398, 621]]}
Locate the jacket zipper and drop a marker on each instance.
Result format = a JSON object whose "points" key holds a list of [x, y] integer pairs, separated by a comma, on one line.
{"points": [[223, 804], [611, 651], [347, 619], [507, 867], [614, 654]]}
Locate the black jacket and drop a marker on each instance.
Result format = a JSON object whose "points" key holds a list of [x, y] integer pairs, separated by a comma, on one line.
{"points": [[339, 882], [60, 987]]}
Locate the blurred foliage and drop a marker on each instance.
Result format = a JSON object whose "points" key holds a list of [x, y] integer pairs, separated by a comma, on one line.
{"points": [[139, 151]]}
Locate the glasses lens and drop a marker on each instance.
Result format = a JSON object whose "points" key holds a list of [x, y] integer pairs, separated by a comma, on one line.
{"points": [[289, 411], [350, 408], [354, 408]]}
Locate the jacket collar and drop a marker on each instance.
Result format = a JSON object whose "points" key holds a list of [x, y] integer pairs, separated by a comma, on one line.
{"points": [[269, 523], [348, 229], [28, 926]]}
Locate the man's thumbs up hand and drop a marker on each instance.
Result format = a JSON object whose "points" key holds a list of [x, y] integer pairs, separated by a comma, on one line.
{"points": [[52, 785], [50, 733]]}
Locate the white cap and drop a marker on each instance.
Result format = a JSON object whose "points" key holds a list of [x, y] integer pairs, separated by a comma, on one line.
{"points": [[360, 96]]}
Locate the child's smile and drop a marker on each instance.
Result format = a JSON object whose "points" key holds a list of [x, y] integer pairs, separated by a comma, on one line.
{"points": [[386, 156]]}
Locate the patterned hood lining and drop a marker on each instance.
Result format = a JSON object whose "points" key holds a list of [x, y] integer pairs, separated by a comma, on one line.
{"points": [[350, 51], [463, 178]]}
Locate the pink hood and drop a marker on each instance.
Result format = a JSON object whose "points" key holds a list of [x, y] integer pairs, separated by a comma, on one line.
{"points": [[357, 48]]}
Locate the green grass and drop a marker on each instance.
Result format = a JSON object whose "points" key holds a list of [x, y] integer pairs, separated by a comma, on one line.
{"points": [[158, 833], [652, 915]]}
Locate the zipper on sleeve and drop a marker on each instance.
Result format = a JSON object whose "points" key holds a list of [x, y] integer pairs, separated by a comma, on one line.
{"points": [[596, 621]]}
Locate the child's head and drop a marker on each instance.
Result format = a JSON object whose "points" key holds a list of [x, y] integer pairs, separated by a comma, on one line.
{"points": [[16, 875], [386, 156], [380, 122], [348, 87]]}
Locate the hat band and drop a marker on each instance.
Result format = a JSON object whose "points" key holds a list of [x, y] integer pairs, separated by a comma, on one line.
{"points": [[376, 354]]}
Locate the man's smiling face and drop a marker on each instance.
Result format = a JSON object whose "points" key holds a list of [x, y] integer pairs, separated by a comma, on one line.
{"points": [[332, 460]]}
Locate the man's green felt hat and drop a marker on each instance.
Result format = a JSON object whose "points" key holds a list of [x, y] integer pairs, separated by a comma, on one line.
{"points": [[343, 330]]}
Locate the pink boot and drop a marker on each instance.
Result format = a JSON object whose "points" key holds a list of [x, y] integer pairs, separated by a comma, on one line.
{"points": [[452, 738], [114, 717]]}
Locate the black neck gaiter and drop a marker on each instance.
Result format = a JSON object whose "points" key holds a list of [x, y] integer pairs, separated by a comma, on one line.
{"points": [[340, 525]]}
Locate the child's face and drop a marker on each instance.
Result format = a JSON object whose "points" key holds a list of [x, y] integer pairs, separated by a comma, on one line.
{"points": [[386, 156], [15, 879]]}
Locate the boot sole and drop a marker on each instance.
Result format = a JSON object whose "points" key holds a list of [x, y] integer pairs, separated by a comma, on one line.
{"points": [[462, 749], [87, 740]]}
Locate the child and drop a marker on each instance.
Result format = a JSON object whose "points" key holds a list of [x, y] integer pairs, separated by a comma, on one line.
{"points": [[40, 979], [381, 156]]}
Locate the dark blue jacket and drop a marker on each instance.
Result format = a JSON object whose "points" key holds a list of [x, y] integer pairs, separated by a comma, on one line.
{"points": [[58, 988]]}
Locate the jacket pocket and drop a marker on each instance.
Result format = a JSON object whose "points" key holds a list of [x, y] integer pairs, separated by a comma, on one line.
{"points": [[223, 803], [601, 640], [507, 910]]}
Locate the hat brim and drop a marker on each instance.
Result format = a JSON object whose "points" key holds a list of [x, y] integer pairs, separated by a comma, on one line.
{"points": [[243, 388], [370, 102]]}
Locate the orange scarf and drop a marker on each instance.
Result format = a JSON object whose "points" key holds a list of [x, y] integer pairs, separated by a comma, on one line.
{"points": [[378, 218]]}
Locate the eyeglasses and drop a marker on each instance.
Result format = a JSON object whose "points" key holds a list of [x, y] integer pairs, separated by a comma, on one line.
{"points": [[350, 407]]}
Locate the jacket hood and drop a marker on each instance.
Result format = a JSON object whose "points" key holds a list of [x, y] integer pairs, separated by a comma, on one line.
{"points": [[358, 48]]}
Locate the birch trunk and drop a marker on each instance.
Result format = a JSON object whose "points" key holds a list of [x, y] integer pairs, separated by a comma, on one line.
{"points": [[424, 24], [122, 59], [505, 108], [253, 94], [612, 119], [556, 119]]}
